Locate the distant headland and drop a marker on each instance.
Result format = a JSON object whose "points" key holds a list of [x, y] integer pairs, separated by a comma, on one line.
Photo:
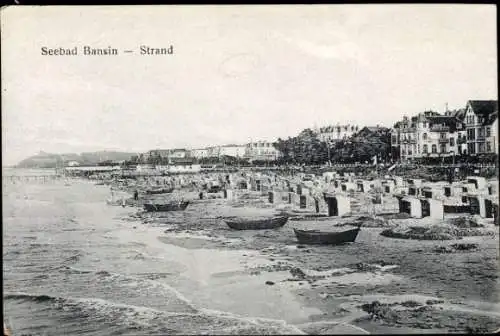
{"points": [[51, 160]]}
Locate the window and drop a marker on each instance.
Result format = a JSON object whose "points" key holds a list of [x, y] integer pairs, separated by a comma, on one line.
{"points": [[488, 147], [481, 147], [394, 139], [443, 135], [452, 141], [418, 148], [488, 131], [424, 136], [443, 148], [481, 132], [471, 134], [425, 149], [403, 152], [434, 149]]}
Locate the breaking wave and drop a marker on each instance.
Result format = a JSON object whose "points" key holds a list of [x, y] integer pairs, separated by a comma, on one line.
{"points": [[150, 321]]}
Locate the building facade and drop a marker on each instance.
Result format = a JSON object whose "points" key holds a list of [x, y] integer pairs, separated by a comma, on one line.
{"points": [[336, 133], [428, 134], [261, 151], [481, 123], [168, 153], [232, 150], [218, 151], [199, 153]]}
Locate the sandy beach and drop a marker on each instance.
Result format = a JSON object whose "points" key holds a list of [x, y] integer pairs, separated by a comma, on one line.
{"points": [[330, 289]]}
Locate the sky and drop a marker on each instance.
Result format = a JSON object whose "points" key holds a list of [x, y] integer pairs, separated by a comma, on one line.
{"points": [[238, 73]]}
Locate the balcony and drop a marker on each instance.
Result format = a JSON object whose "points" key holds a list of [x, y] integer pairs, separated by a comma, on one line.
{"points": [[443, 140], [440, 128]]}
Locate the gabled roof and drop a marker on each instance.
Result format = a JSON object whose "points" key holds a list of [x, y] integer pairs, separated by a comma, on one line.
{"points": [[490, 119], [459, 114], [484, 107]]}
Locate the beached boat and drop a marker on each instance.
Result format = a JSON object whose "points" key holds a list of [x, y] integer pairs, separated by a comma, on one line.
{"points": [[170, 206], [326, 238], [255, 224], [159, 191]]}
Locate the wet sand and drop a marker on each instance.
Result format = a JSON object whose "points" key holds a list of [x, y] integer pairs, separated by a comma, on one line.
{"points": [[325, 289]]}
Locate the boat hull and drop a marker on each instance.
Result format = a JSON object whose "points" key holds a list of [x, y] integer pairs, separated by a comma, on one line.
{"points": [[173, 206], [326, 238], [256, 224]]}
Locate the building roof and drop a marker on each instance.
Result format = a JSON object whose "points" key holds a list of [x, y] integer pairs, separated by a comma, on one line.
{"points": [[182, 161], [484, 107], [373, 128], [459, 114], [450, 121], [333, 128], [232, 145], [490, 119]]}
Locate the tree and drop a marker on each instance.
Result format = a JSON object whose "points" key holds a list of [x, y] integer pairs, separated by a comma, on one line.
{"points": [[363, 146], [305, 148]]}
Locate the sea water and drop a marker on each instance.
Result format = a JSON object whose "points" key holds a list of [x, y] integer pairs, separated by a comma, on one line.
{"points": [[73, 265]]}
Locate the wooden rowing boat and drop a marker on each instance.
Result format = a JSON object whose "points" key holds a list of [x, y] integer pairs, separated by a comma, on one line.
{"points": [[326, 238], [255, 224], [171, 206]]}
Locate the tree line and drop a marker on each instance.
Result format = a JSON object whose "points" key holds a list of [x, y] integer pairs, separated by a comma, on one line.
{"points": [[307, 149], [362, 147]]}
